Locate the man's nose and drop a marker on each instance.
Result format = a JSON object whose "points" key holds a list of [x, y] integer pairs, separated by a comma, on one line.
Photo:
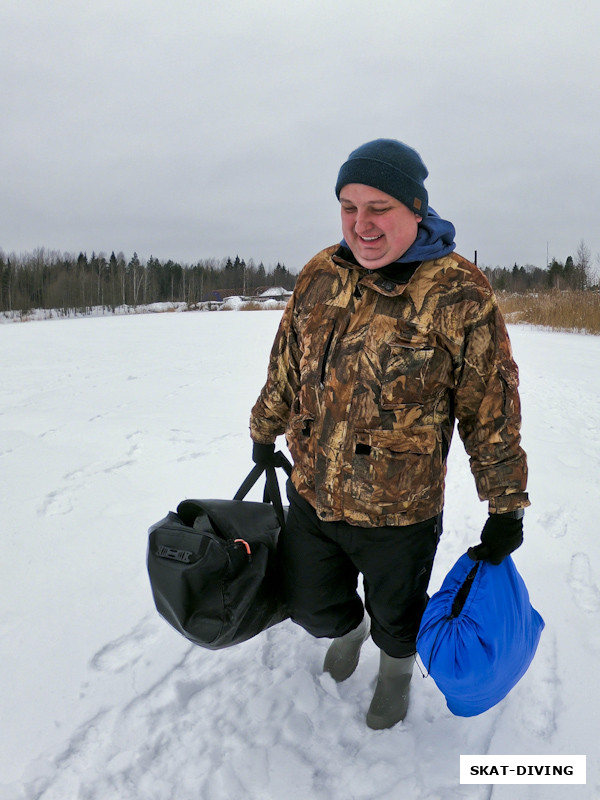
{"points": [[364, 220]]}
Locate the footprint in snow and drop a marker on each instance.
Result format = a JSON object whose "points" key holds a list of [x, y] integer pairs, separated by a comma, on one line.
{"points": [[554, 522], [585, 591], [537, 696], [57, 502], [193, 456], [126, 650]]}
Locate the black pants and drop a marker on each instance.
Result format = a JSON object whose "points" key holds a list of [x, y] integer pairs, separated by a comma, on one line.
{"points": [[321, 563]]}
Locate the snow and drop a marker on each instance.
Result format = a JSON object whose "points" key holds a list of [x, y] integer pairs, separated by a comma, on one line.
{"points": [[37, 314], [107, 423], [276, 291]]}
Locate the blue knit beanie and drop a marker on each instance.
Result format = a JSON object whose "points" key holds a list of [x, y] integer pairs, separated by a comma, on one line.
{"points": [[390, 166]]}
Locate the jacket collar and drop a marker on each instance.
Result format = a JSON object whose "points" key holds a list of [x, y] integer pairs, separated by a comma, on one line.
{"points": [[389, 281]]}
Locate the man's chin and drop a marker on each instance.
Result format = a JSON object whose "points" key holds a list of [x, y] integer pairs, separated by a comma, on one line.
{"points": [[371, 263]]}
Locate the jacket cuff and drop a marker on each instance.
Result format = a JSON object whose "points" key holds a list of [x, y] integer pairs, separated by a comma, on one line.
{"points": [[262, 439], [508, 502]]}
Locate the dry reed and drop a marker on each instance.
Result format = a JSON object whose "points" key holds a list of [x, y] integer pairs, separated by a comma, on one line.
{"points": [[561, 311]]}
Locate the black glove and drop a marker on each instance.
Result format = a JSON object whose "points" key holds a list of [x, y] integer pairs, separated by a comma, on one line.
{"points": [[502, 533], [264, 454]]}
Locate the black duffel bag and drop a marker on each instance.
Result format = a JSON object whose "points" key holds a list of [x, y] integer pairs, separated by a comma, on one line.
{"points": [[213, 564]]}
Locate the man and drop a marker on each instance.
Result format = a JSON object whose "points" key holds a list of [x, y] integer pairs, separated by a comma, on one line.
{"points": [[388, 339]]}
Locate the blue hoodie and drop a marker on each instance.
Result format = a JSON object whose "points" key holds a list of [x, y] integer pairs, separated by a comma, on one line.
{"points": [[435, 239]]}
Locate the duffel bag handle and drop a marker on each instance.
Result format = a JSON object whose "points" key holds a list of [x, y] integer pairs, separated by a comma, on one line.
{"points": [[271, 493]]}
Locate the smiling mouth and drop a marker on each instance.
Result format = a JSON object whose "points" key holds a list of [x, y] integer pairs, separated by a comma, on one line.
{"points": [[370, 238]]}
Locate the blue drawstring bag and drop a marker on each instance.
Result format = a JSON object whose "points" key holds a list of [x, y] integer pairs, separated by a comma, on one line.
{"points": [[479, 634]]}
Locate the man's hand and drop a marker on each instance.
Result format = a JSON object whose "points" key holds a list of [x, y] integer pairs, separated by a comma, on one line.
{"points": [[264, 454], [502, 533]]}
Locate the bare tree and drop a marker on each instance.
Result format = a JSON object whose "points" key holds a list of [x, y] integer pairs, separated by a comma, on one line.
{"points": [[583, 264]]}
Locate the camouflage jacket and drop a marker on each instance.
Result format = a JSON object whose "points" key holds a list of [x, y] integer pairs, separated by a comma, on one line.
{"points": [[366, 378]]}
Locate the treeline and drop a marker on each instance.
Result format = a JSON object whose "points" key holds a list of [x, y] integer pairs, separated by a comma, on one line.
{"points": [[51, 280], [45, 279], [575, 274]]}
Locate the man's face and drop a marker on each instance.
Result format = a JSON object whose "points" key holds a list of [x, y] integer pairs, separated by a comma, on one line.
{"points": [[377, 227]]}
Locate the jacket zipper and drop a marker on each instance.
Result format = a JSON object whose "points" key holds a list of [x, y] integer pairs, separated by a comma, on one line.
{"points": [[326, 357]]}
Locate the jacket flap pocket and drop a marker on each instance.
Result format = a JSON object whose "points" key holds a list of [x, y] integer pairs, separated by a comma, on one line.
{"points": [[413, 440]]}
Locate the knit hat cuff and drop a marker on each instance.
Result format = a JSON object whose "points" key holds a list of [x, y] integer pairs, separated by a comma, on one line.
{"points": [[390, 166]]}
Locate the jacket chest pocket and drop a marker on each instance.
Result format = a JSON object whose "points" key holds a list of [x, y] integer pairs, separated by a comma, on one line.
{"points": [[411, 374], [315, 336]]}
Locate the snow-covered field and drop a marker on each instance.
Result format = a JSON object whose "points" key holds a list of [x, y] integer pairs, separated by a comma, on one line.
{"points": [[105, 424]]}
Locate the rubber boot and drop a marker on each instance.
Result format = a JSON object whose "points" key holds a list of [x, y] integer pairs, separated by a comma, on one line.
{"points": [[390, 701], [342, 656]]}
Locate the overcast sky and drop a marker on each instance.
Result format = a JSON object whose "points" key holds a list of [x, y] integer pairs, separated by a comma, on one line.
{"points": [[187, 129]]}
